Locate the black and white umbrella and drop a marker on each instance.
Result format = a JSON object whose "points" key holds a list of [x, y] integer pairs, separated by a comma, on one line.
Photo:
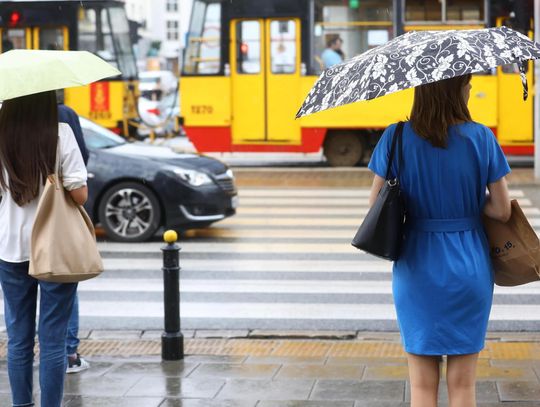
{"points": [[417, 58]]}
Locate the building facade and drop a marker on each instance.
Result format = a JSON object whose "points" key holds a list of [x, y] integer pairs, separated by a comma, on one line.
{"points": [[163, 27]]}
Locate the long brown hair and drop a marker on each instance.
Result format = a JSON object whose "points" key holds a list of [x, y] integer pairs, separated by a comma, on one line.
{"points": [[438, 105], [28, 140]]}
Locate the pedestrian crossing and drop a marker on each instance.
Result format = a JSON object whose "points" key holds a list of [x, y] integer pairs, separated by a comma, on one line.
{"points": [[284, 262]]}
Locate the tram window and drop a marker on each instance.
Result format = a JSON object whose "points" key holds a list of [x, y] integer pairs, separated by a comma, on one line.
{"points": [[361, 28], [445, 10], [248, 42], [283, 46], [461, 10], [97, 36], [51, 38], [88, 30], [122, 42], [13, 39], [106, 51], [203, 50]]}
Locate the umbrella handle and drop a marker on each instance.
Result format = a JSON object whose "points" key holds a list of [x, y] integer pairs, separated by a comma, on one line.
{"points": [[523, 76]]}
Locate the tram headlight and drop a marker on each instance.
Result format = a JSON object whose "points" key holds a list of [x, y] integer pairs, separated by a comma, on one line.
{"points": [[192, 177]]}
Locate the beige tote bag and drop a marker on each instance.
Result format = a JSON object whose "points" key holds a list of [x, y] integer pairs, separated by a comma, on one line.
{"points": [[63, 242]]}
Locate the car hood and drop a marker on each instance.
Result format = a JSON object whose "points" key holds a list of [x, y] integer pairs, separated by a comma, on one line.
{"points": [[168, 156]]}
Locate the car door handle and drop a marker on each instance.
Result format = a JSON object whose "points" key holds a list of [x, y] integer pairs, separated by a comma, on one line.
{"points": [[91, 175], [481, 95]]}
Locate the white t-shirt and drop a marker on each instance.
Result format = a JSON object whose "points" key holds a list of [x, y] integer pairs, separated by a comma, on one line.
{"points": [[16, 222]]}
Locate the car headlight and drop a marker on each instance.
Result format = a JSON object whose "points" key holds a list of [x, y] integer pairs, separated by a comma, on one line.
{"points": [[195, 178]]}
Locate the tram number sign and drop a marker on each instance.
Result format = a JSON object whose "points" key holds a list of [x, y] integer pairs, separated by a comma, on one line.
{"points": [[202, 109], [100, 108], [100, 115]]}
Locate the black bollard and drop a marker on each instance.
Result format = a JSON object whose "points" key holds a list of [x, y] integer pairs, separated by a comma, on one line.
{"points": [[172, 340]]}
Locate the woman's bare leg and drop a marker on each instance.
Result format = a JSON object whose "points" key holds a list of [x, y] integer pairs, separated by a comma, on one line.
{"points": [[424, 374], [461, 379]]}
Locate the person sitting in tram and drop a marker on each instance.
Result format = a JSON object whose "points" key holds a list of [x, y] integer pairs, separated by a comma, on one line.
{"points": [[333, 54]]}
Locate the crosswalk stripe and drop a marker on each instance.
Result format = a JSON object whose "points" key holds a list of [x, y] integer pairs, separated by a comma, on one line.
{"points": [[331, 192], [303, 211], [271, 286], [240, 265], [309, 201], [279, 311]]}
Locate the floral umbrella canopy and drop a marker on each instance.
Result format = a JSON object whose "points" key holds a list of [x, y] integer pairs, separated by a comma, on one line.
{"points": [[418, 58]]}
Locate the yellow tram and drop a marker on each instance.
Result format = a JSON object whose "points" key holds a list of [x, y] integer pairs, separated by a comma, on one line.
{"points": [[100, 27], [249, 64]]}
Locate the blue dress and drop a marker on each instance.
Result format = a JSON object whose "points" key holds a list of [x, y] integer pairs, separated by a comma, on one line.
{"points": [[443, 281]]}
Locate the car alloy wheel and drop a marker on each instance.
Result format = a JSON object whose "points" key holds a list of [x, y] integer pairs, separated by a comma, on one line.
{"points": [[129, 212]]}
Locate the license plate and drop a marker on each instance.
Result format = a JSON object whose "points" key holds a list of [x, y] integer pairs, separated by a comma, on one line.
{"points": [[234, 202]]}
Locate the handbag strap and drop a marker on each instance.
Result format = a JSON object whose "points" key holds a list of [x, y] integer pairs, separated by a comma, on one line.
{"points": [[396, 139], [57, 160]]}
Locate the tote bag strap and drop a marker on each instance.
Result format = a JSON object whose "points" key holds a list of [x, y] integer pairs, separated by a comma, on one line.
{"points": [[57, 168], [397, 138]]}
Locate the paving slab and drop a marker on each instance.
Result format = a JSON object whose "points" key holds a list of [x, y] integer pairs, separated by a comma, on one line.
{"points": [[283, 360], [519, 391], [201, 333], [370, 361], [164, 369], [259, 333], [359, 390], [101, 386], [176, 387], [267, 389], [303, 403], [114, 402], [207, 403], [157, 333], [235, 371], [330, 372], [98, 334]]}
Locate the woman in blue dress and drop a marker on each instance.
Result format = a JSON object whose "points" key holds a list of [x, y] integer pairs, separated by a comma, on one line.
{"points": [[443, 280]]}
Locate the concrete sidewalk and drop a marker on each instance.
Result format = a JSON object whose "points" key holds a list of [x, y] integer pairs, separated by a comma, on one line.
{"points": [[279, 369]]}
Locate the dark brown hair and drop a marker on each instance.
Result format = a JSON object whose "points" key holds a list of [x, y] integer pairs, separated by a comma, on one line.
{"points": [[28, 140], [438, 105]]}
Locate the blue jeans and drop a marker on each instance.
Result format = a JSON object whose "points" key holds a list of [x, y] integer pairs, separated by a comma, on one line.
{"points": [[20, 300], [72, 338]]}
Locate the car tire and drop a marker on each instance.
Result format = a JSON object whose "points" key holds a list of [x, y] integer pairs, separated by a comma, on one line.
{"points": [[129, 212]]}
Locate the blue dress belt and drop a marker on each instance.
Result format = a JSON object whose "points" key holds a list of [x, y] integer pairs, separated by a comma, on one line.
{"points": [[444, 225]]}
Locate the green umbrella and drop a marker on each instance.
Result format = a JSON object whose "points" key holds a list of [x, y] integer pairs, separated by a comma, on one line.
{"points": [[25, 72]]}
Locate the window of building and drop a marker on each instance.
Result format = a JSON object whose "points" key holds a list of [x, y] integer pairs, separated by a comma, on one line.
{"points": [[203, 49], [172, 6], [172, 30]]}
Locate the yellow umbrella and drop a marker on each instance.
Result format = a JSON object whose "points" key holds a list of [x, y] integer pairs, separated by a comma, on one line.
{"points": [[25, 72]]}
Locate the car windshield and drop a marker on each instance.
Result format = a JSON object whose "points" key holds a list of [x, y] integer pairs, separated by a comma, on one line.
{"points": [[97, 137]]}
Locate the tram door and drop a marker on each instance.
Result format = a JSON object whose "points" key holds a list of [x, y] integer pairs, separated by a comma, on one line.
{"points": [[48, 38], [515, 115], [265, 80]]}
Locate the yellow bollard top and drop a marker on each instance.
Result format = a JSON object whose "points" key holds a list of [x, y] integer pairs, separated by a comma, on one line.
{"points": [[170, 236]]}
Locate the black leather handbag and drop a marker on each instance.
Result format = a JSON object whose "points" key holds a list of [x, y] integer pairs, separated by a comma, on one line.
{"points": [[381, 232]]}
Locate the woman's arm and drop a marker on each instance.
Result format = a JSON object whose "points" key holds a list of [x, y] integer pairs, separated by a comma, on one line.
{"points": [[498, 201], [79, 195], [378, 183]]}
